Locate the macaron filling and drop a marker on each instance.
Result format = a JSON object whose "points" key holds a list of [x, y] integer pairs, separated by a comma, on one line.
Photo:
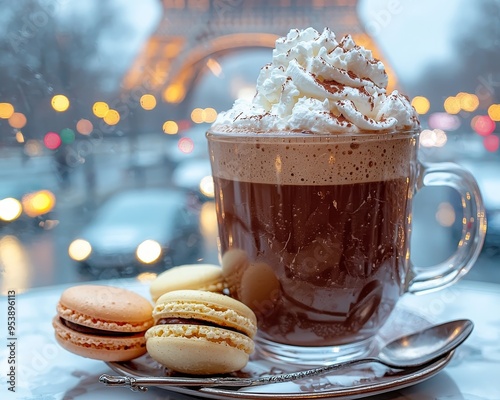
{"points": [[96, 332], [193, 321]]}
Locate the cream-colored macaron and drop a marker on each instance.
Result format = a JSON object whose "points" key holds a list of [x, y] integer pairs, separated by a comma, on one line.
{"points": [[200, 332], [191, 276]]}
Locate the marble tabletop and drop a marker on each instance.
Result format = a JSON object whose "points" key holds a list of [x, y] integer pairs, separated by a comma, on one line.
{"points": [[45, 371]]}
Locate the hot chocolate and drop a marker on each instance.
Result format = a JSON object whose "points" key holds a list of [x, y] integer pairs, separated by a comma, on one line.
{"points": [[313, 231], [313, 182]]}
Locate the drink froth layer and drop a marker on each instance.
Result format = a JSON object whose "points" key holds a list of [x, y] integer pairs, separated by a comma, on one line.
{"points": [[302, 159]]}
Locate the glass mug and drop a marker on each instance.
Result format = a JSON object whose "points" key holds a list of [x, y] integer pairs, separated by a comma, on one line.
{"points": [[314, 234]]}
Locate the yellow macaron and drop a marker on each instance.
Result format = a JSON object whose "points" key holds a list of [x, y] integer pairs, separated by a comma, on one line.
{"points": [[102, 322], [200, 332], [190, 276]]}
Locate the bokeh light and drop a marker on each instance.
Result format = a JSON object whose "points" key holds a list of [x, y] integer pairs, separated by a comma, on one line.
{"points": [[207, 186], [79, 249], [421, 104], [209, 115], [146, 277], [148, 251], [199, 115], [445, 214], [38, 203], [112, 117], [483, 125], [433, 138], [196, 115], [84, 127], [186, 145], [494, 112], [67, 136], [214, 66], [52, 140], [491, 143], [452, 105], [17, 120], [208, 219], [174, 93], [60, 103], [468, 102], [148, 101], [19, 137], [170, 127], [6, 110], [17, 268], [442, 120], [33, 148], [10, 209], [100, 108]]}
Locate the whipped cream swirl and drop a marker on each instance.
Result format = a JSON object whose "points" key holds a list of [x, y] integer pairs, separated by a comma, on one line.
{"points": [[319, 85]]}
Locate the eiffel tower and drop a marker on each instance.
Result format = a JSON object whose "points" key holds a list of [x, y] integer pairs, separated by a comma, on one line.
{"points": [[191, 33]]}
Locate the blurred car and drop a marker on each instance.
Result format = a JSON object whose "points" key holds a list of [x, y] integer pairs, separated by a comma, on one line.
{"points": [[140, 229]]}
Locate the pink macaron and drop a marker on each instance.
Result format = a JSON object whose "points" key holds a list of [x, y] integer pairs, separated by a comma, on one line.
{"points": [[103, 322]]}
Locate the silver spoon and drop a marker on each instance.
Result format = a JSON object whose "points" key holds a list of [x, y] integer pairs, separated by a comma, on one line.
{"points": [[409, 351]]}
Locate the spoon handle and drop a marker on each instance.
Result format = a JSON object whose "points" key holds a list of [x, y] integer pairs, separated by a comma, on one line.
{"points": [[141, 384]]}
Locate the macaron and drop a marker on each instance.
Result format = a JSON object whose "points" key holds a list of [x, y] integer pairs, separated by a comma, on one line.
{"points": [[103, 322], [202, 333], [253, 283], [191, 276]]}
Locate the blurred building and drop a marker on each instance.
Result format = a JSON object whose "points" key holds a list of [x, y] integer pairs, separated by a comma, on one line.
{"points": [[193, 34]]}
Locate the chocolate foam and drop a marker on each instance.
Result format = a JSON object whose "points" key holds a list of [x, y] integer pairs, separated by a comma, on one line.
{"points": [[303, 159]]}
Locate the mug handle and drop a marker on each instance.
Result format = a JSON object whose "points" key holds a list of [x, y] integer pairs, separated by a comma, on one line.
{"points": [[457, 265]]}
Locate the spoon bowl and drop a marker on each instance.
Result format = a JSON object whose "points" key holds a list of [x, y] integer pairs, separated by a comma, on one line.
{"points": [[425, 346], [409, 351]]}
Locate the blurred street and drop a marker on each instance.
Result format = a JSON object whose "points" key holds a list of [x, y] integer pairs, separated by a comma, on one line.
{"points": [[40, 248]]}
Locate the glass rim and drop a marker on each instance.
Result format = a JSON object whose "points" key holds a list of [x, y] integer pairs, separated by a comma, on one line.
{"points": [[288, 136]]}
